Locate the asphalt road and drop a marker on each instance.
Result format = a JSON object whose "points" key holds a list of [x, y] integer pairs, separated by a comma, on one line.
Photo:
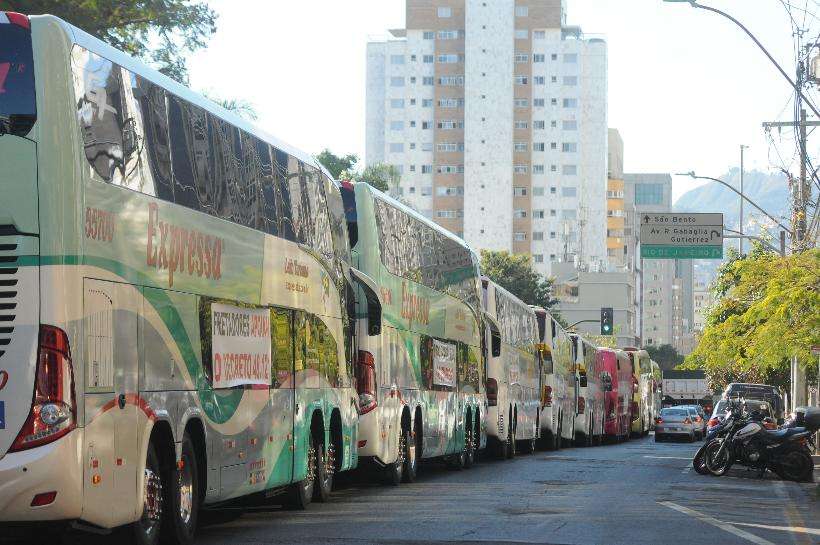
{"points": [[634, 493]]}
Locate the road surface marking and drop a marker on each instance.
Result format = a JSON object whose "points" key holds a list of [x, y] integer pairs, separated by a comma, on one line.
{"points": [[716, 523], [795, 529], [668, 457], [795, 519]]}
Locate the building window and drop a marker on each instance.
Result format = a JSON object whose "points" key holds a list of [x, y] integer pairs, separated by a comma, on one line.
{"points": [[426, 146], [538, 34], [538, 57], [412, 145], [399, 169], [427, 102], [396, 81], [538, 258], [552, 234], [538, 235], [520, 80], [553, 213], [444, 191], [537, 146], [538, 191], [396, 147], [569, 214], [538, 214], [450, 58], [538, 102], [569, 125], [521, 57], [451, 81], [520, 146], [538, 169], [569, 147], [521, 124], [538, 125], [649, 193], [426, 125], [554, 101], [412, 124], [450, 146], [445, 12], [451, 169], [553, 123], [520, 169], [396, 59], [397, 125], [553, 168], [519, 236], [569, 191], [554, 145], [570, 103], [449, 124], [521, 11], [412, 58], [397, 103], [412, 169], [450, 34], [413, 80], [570, 58], [539, 80], [412, 188], [451, 103], [427, 190], [554, 57], [427, 80], [521, 102], [449, 214], [519, 192], [553, 79], [571, 81], [428, 59], [522, 33], [426, 169], [553, 190], [429, 35], [569, 170]]}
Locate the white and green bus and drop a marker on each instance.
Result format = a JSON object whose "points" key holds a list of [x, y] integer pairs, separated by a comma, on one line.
{"points": [[421, 379], [559, 393], [513, 372], [175, 298]]}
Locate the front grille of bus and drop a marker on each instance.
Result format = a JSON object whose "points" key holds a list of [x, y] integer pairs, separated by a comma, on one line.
{"points": [[8, 293]]}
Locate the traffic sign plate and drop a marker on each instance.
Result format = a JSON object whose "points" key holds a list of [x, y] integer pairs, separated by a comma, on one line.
{"points": [[671, 235]]}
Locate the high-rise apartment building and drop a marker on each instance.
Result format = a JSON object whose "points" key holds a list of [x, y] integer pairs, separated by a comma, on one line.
{"points": [[616, 240], [495, 116], [666, 284]]}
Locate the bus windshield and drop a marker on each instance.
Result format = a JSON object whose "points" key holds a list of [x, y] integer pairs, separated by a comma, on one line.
{"points": [[18, 110]]}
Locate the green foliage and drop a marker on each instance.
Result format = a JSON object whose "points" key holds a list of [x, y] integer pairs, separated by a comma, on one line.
{"points": [[666, 355], [336, 164], [515, 274], [381, 176], [239, 106], [160, 32], [767, 310]]}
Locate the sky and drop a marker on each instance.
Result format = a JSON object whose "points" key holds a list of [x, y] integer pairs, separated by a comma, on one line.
{"points": [[686, 86]]}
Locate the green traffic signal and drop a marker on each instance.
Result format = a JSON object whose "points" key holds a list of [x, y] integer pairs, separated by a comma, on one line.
{"points": [[606, 320]]}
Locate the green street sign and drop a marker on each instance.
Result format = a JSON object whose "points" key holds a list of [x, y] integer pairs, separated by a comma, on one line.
{"points": [[658, 251]]}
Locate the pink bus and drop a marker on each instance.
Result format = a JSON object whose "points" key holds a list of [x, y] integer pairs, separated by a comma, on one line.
{"points": [[616, 380]]}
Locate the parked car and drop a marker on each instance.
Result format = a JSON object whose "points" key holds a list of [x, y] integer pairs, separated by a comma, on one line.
{"points": [[699, 419], [674, 422]]}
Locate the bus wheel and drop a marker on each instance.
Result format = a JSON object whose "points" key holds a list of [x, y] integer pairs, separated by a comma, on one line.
{"points": [[469, 448], [511, 440], [395, 471], [185, 496], [301, 493], [325, 467], [146, 531], [411, 456], [529, 446]]}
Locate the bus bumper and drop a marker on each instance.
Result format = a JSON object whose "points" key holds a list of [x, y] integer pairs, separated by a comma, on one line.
{"points": [[54, 467]]}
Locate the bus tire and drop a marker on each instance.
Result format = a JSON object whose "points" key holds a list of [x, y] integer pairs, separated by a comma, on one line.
{"points": [[147, 530], [184, 497], [411, 457], [395, 470], [469, 447], [301, 493], [511, 447], [325, 468]]}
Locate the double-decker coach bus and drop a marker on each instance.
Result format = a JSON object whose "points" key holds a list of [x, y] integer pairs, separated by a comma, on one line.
{"points": [[513, 373], [616, 381], [173, 302], [642, 381], [656, 393], [423, 391], [558, 391], [589, 414]]}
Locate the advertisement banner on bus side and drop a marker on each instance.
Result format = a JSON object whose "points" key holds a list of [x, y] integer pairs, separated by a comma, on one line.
{"points": [[240, 346], [444, 364]]}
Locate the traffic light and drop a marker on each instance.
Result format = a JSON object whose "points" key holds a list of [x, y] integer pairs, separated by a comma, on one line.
{"points": [[606, 321]]}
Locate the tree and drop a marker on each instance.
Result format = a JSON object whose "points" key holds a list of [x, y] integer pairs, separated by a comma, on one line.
{"points": [[767, 310], [515, 274], [239, 106], [337, 165], [160, 32], [666, 355]]}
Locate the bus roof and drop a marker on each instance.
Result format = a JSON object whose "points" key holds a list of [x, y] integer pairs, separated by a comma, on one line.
{"points": [[86, 40]]}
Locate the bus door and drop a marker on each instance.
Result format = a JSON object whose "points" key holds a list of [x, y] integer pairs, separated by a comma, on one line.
{"points": [[282, 397], [112, 349]]}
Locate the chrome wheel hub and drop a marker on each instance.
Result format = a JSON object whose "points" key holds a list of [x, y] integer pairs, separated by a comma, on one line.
{"points": [[186, 493], [152, 500]]}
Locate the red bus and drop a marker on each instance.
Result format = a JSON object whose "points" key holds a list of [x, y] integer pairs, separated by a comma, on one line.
{"points": [[616, 379]]}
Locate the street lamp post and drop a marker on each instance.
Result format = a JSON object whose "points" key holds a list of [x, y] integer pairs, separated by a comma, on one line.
{"points": [[692, 174], [794, 85]]}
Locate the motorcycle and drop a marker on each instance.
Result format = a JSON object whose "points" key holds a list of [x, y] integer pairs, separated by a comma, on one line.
{"points": [[747, 442], [718, 427]]}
